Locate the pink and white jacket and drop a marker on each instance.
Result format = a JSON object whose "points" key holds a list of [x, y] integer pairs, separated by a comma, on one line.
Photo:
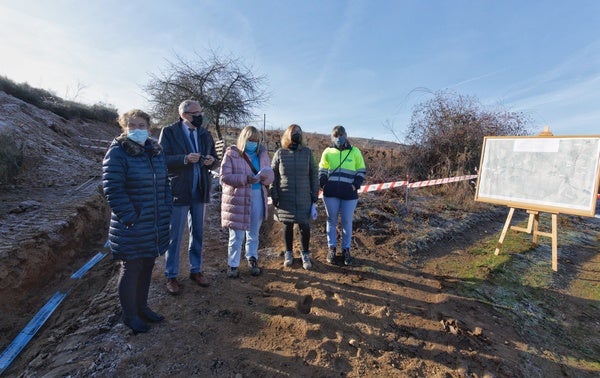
{"points": [[237, 192]]}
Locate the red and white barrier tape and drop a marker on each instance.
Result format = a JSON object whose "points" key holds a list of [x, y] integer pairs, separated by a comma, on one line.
{"points": [[418, 184], [381, 186], [441, 181]]}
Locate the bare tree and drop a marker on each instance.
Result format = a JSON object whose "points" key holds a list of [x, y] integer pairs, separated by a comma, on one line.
{"points": [[73, 94], [225, 88], [389, 126], [446, 133]]}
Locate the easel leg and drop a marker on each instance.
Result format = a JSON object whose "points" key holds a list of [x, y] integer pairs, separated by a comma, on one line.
{"points": [[504, 231], [555, 242], [536, 223]]}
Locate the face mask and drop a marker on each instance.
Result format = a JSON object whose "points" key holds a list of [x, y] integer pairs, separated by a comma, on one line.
{"points": [[197, 120], [339, 141], [138, 136], [296, 137], [251, 146]]}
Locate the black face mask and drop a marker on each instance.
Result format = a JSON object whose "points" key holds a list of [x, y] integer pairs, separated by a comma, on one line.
{"points": [[296, 137], [197, 120]]}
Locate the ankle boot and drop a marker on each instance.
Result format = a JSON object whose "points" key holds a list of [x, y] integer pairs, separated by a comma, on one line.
{"points": [[306, 264], [347, 257], [136, 324], [150, 316]]}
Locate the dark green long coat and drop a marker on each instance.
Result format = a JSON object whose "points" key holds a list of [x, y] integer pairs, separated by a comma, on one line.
{"points": [[296, 184]]}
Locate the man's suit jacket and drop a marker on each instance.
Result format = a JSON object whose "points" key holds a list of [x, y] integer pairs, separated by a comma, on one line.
{"points": [[176, 146]]}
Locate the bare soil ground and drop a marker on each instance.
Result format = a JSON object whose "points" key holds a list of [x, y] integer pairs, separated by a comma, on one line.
{"points": [[426, 297]]}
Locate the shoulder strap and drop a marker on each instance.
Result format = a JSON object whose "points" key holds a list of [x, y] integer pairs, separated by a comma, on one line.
{"points": [[342, 162], [249, 163]]}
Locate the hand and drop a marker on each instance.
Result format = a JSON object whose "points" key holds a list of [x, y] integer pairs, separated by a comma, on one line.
{"points": [[208, 160], [322, 181], [193, 157], [262, 175], [252, 179]]}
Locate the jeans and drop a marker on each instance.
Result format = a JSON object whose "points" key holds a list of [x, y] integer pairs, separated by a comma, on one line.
{"points": [[134, 284], [333, 207], [236, 237], [195, 218]]}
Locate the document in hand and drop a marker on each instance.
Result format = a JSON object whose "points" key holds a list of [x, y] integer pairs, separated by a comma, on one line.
{"points": [[263, 171]]}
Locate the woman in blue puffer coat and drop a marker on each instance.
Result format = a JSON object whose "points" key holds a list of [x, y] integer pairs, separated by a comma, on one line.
{"points": [[134, 179]]}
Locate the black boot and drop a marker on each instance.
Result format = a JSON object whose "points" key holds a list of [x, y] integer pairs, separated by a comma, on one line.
{"points": [[347, 257], [136, 324], [150, 316]]}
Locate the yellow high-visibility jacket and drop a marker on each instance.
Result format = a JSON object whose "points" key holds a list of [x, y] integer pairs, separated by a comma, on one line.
{"points": [[341, 172]]}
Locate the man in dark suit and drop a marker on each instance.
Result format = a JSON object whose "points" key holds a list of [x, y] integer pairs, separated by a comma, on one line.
{"points": [[190, 155]]}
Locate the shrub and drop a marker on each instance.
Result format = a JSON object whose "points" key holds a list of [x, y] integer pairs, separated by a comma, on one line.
{"points": [[44, 99], [446, 134]]}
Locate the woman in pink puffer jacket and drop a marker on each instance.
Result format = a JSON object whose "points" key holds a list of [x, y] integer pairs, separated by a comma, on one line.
{"points": [[245, 174]]}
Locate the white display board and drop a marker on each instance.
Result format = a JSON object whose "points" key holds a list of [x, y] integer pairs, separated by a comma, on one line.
{"points": [[543, 173]]}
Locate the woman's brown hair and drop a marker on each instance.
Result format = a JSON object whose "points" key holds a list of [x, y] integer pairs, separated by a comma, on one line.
{"points": [[286, 138]]}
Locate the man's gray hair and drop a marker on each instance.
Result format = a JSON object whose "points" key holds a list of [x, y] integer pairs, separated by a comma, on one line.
{"points": [[185, 105]]}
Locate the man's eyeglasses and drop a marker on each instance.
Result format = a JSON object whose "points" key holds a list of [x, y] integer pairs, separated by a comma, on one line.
{"points": [[194, 113]]}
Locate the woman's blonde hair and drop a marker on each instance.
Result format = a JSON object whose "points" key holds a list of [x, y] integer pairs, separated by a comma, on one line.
{"points": [[286, 138], [248, 133], [133, 113]]}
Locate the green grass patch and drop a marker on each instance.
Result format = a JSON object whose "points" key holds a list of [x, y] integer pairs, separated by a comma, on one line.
{"points": [[481, 259], [521, 283], [586, 289]]}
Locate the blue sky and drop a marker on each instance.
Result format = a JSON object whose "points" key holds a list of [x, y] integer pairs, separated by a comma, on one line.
{"points": [[362, 64]]}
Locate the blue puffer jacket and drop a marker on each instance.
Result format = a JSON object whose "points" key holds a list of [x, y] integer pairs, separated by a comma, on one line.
{"points": [[134, 179]]}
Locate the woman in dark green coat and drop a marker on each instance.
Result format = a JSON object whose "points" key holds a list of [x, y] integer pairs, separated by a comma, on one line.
{"points": [[294, 190]]}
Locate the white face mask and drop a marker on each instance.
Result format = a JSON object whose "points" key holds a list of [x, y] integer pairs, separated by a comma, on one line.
{"points": [[138, 136]]}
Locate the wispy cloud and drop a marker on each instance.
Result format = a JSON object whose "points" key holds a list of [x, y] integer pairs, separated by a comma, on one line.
{"points": [[477, 78], [340, 41], [570, 77]]}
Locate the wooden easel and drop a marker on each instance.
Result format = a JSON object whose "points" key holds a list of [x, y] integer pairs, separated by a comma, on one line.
{"points": [[532, 227]]}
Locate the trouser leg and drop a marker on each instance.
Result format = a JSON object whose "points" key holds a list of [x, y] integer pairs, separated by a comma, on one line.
{"points": [[177, 225], [332, 207], [234, 250], [347, 209], [196, 226], [304, 235], [256, 219], [144, 283], [128, 287], [288, 236]]}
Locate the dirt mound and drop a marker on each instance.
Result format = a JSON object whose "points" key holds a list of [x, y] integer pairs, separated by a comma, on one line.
{"points": [[423, 298], [46, 210]]}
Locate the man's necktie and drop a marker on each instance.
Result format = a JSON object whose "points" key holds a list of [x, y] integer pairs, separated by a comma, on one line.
{"points": [[193, 138]]}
